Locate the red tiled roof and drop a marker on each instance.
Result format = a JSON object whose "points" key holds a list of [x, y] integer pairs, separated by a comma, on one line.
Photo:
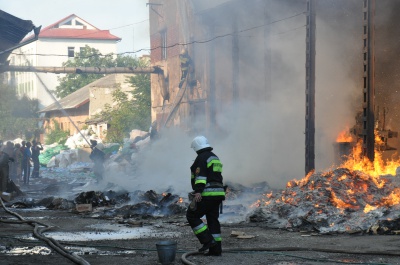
{"points": [[62, 33], [52, 31]]}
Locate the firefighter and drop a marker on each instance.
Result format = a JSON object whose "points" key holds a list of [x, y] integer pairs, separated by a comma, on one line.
{"points": [[208, 194], [185, 62], [98, 157]]}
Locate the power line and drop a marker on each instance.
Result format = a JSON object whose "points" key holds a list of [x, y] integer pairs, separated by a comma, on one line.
{"points": [[182, 44]]}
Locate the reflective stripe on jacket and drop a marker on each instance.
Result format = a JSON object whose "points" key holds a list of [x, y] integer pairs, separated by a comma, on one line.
{"points": [[206, 177]]}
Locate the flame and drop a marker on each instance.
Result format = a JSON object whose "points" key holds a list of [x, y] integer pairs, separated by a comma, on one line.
{"points": [[180, 200], [357, 161], [344, 137], [369, 208], [357, 184]]}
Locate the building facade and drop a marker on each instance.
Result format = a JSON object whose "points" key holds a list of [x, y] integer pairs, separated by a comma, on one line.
{"points": [[56, 44], [78, 109], [226, 65]]}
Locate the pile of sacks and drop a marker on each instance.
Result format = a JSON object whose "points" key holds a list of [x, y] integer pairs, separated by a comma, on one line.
{"points": [[77, 150]]}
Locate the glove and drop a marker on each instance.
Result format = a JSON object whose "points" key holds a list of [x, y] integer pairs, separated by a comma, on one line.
{"points": [[193, 204]]}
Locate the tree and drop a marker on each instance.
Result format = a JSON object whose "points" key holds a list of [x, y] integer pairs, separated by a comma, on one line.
{"points": [[89, 57], [56, 134], [18, 116], [128, 113]]}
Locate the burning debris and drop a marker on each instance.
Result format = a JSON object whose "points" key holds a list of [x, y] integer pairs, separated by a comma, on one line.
{"points": [[341, 200]]}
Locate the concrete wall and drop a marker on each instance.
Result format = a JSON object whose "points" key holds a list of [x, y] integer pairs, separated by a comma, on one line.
{"points": [[101, 94]]}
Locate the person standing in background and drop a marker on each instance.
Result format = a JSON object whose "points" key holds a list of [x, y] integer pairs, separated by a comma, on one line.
{"points": [[98, 157], [9, 150], [18, 162], [36, 148], [26, 162]]}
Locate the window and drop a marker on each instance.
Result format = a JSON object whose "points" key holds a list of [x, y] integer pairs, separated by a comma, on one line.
{"points": [[78, 23], [164, 45], [71, 51]]}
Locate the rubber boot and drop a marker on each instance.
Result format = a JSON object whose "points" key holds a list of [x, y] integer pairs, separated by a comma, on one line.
{"points": [[215, 250]]}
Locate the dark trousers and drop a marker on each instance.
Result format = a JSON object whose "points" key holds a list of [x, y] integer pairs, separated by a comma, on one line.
{"points": [[26, 170], [183, 77], [209, 208], [36, 165]]}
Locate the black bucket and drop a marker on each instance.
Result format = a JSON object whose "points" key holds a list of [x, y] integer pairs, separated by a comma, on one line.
{"points": [[166, 251]]}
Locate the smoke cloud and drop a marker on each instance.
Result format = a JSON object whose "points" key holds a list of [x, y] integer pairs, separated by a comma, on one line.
{"points": [[261, 137]]}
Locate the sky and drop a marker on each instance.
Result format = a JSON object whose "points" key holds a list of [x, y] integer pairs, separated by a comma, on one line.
{"points": [[127, 19]]}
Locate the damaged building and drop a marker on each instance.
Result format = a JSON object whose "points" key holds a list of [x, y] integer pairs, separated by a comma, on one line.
{"points": [[221, 58], [249, 67]]}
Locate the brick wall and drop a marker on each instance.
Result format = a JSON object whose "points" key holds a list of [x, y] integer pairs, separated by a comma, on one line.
{"points": [[173, 39], [155, 43]]}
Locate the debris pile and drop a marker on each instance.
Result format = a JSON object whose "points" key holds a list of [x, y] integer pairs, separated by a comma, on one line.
{"points": [[150, 204], [97, 198], [111, 204], [337, 201]]}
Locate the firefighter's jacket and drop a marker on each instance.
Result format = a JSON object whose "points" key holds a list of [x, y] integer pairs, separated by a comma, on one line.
{"points": [[185, 61], [206, 177]]}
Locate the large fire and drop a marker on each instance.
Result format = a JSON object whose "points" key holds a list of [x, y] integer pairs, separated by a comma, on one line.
{"points": [[379, 167], [356, 186]]}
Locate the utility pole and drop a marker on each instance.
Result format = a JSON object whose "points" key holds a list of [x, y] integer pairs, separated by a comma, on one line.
{"points": [[310, 87], [368, 79]]}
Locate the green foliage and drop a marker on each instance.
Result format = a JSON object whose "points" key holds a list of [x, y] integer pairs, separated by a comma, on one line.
{"points": [[18, 117], [89, 57], [129, 113], [56, 135]]}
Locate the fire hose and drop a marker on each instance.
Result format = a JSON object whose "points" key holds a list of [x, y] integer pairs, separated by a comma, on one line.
{"points": [[286, 249], [38, 229]]}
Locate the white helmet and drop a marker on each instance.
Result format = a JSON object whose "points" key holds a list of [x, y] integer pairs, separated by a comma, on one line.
{"points": [[199, 142]]}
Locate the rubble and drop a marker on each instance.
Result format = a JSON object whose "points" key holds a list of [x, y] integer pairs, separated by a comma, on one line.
{"points": [[97, 198], [84, 207], [150, 204], [338, 201]]}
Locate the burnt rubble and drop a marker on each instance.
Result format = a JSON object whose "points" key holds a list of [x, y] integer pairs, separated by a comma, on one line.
{"points": [[111, 204], [97, 198], [333, 202], [150, 204]]}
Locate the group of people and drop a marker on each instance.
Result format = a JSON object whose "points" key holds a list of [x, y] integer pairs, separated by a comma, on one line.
{"points": [[20, 157]]}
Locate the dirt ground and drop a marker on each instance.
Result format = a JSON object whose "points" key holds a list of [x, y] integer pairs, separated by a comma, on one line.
{"points": [[143, 250], [18, 247]]}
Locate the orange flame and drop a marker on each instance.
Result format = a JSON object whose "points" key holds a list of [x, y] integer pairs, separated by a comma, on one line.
{"points": [[354, 189], [357, 161], [344, 137]]}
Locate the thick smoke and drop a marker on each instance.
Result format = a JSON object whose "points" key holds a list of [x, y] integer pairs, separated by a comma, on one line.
{"points": [[338, 73], [261, 136]]}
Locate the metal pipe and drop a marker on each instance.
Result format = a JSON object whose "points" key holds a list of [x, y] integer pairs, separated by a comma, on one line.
{"points": [[80, 70]]}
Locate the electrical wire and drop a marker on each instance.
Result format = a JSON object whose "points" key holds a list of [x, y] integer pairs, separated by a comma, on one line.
{"points": [[180, 44]]}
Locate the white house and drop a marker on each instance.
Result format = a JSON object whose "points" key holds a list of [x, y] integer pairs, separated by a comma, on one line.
{"points": [[56, 44]]}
